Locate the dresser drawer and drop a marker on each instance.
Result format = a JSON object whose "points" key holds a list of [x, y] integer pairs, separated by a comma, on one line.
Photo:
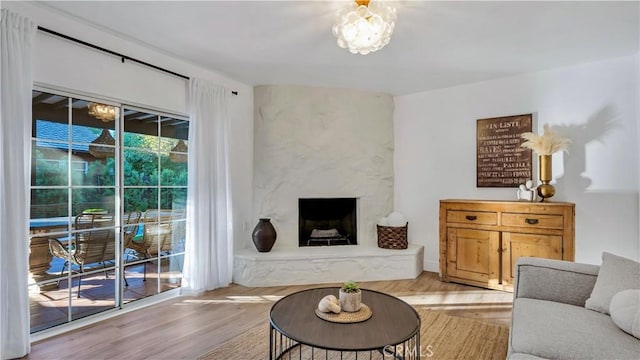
{"points": [[533, 220], [472, 217]]}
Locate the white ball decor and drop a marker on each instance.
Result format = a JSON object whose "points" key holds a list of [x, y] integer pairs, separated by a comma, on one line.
{"points": [[396, 219]]}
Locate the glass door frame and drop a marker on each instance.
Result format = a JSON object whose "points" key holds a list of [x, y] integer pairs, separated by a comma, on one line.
{"points": [[118, 186]]}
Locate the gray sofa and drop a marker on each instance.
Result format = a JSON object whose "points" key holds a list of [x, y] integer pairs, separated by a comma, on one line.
{"points": [[549, 319]]}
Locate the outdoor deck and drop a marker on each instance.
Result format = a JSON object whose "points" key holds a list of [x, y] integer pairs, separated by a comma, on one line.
{"points": [[50, 306]]}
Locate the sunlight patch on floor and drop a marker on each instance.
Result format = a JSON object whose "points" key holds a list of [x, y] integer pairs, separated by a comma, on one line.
{"points": [[460, 298]]}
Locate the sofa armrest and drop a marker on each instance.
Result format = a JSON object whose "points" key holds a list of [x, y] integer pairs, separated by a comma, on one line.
{"points": [[554, 280]]}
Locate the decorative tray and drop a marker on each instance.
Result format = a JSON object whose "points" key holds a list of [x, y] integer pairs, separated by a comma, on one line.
{"points": [[346, 317]]}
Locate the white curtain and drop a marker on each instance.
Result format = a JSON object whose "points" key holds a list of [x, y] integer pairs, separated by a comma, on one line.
{"points": [[209, 245], [17, 35]]}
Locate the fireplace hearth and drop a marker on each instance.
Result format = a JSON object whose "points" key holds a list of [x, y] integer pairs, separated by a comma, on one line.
{"points": [[327, 221]]}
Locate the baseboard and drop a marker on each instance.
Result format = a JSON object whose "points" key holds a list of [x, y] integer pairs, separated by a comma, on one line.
{"points": [[432, 266]]}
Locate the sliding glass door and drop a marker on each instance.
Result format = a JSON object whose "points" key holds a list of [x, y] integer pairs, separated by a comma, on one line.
{"points": [[107, 219], [155, 191]]}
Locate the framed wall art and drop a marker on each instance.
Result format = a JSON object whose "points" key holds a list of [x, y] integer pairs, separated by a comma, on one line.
{"points": [[500, 161]]}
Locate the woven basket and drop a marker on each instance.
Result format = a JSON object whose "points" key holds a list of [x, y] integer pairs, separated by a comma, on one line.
{"points": [[392, 237]]}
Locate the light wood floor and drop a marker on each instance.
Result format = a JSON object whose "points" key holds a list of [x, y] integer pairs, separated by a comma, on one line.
{"points": [[186, 327]]}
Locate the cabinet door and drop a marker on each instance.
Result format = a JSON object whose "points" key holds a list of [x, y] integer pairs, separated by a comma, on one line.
{"points": [[515, 245], [473, 255]]}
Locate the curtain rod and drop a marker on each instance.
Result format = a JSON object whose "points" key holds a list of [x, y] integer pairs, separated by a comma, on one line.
{"points": [[121, 56]]}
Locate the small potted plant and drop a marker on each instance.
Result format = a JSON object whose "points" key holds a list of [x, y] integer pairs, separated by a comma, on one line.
{"points": [[350, 296]]}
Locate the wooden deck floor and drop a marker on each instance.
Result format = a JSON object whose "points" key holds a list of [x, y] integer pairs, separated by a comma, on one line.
{"points": [[50, 306], [186, 327]]}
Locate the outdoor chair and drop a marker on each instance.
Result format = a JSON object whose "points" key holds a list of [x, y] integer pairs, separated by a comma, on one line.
{"points": [[157, 235], [93, 242], [131, 222]]}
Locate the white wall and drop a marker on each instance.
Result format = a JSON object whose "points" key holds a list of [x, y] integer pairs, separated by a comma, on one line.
{"points": [[595, 105], [73, 67], [319, 143]]}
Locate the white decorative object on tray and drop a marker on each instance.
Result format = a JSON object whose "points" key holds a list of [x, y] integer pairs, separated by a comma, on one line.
{"points": [[328, 304]]}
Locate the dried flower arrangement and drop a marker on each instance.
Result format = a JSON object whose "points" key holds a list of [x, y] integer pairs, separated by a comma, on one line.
{"points": [[547, 143]]}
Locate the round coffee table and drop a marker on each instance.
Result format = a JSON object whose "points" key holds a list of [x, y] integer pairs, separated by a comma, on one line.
{"points": [[392, 330]]}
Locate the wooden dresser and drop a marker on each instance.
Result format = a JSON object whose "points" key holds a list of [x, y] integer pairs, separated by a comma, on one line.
{"points": [[480, 241]]}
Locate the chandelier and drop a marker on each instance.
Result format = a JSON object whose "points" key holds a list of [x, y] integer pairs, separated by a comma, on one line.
{"points": [[102, 112], [365, 26], [103, 146]]}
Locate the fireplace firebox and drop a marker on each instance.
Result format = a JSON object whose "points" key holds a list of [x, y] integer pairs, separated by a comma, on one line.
{"points": [[327, 221]]}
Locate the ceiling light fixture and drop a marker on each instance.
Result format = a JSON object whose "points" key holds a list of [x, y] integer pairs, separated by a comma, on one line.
{"points": [[102, 112], [365, 26], [103, 146]]}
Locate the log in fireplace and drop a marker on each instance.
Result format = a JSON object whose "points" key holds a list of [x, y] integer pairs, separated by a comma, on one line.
{"points": [[327, 221]]}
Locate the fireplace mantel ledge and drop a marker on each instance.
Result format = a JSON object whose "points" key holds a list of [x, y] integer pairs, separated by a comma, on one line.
{"points": [[321, 252], [325, 264]]}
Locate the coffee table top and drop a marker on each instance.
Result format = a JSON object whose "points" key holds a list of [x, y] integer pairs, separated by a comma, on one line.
{"points": [[393, 321]]}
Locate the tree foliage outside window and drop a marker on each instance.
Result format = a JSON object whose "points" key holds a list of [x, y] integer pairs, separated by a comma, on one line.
{"points": [[140, 169]]}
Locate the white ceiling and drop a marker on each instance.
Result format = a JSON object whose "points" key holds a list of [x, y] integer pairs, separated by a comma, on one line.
{"points": [[435, 44]]}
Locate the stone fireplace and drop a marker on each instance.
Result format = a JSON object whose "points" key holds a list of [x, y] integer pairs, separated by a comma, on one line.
{"points": [[334, 148], [327, 221], [317, 143]]}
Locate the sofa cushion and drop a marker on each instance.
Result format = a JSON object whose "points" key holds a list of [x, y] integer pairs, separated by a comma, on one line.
{"points": [[625, 311], [546, 279], [555, 330], [616, 274]]}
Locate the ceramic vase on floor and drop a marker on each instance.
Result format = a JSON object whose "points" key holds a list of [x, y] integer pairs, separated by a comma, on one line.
{"points": [[264, 235]]}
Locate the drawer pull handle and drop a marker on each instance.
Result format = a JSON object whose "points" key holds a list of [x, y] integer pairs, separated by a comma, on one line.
{"points": [[471, 217], [531, 221]]}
